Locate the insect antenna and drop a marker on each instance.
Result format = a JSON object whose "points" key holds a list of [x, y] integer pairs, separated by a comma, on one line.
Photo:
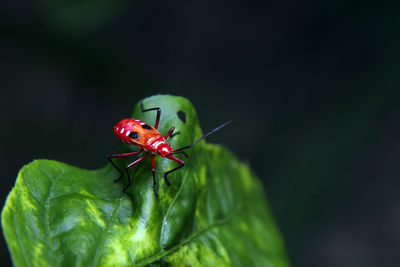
{"points": [[180, 152], [204, 136]]}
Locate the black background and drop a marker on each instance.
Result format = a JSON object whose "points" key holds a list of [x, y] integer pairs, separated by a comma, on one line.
{"points": [[311, 85]]}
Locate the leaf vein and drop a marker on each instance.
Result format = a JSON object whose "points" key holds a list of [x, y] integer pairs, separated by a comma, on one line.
{"points": [[101, 244], [175, 198], [158, 256], [19, 240], [46, 214]]}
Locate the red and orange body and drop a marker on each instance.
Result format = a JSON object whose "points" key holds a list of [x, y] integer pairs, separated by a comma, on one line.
{"points": [[136, 132]]}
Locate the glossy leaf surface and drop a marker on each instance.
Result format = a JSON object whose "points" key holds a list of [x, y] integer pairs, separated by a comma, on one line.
{"points": [[213, 214]]}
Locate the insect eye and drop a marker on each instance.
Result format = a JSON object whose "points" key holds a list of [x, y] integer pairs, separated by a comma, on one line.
{"points": [[134, 135], [147, 127]]}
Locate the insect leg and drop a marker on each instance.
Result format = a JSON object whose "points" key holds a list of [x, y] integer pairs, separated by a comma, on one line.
{"points": [[130, 165], [153, 170], [170, 133], [168, 172], [109, 157], [149, 109]]}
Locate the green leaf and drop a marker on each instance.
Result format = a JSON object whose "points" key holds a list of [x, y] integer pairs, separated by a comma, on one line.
{"points": [[213, 214]]}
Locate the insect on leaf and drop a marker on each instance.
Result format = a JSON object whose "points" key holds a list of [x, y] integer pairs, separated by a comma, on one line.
{"points": [[213, 214]]}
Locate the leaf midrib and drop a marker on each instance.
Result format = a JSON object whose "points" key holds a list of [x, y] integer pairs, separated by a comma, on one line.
{"points": [[19, 240], [158, 256], [46, 214], [44, 206], [101, 245], [176, 196]]}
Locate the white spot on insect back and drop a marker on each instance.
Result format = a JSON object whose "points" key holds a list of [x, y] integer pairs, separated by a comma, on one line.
{"points": [[127, 133], [157, 143], [122, 131]]}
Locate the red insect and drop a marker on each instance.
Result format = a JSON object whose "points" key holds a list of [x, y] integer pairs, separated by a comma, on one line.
{"points": [[136, 132]]}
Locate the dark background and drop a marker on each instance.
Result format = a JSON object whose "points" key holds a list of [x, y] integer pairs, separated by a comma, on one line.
{"points": [[312, 87]]}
